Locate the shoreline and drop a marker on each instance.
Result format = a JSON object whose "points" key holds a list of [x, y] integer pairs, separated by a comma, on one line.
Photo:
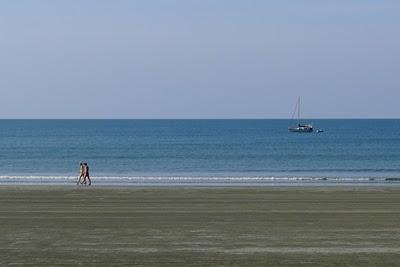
{"points": [[393, 185], [202, 185], [200, 181], [202, 188]]}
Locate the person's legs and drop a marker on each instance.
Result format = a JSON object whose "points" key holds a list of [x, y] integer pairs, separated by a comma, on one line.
{"points": [[88, 177], [80, 179], [83, 180], [85, 172]]}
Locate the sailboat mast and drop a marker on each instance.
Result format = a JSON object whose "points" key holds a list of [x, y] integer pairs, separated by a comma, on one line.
{"points": [[298, 112]]}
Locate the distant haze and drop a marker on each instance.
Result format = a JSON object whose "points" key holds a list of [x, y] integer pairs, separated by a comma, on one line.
{"points": [[199, 58]]}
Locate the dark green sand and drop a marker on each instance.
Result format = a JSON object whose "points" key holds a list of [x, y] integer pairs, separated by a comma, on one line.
{"points": [[200, 227]]}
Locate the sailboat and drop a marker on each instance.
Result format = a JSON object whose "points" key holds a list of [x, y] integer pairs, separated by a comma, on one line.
{"points": [[300, 128]]}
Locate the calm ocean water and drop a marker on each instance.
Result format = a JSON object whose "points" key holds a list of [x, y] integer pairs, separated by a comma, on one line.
{"points": [[199, 151]]}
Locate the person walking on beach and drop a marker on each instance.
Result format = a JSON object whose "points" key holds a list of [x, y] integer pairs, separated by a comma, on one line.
{"points": [[81, 174], [86, 173]]}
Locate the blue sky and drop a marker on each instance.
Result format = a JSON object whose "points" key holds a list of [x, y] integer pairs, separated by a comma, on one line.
{"points": [[199, 59]]}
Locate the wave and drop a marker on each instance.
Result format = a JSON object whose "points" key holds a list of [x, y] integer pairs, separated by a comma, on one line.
{"points": [[327, 170], [189, 180]]}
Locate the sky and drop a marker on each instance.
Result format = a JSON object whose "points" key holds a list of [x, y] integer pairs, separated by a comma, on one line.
{"points": [[199, 58]]}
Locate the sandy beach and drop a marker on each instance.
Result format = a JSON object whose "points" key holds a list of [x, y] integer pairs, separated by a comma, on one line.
{"points": [[199, 227]]}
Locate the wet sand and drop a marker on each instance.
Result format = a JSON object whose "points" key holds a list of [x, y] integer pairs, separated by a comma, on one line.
{"points": [[200, 227]]}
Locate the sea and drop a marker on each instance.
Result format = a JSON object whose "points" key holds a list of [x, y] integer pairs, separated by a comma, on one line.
{"points": [[258, 152]]}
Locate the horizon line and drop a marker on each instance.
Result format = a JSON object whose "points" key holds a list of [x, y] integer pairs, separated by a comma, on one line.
{"points": [[237, 118]]}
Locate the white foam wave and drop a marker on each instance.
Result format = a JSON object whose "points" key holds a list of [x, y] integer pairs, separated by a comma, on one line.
{"points": [[145, 180]]}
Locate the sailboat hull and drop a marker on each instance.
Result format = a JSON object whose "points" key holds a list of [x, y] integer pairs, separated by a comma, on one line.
{"points": [[301, 129]]}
